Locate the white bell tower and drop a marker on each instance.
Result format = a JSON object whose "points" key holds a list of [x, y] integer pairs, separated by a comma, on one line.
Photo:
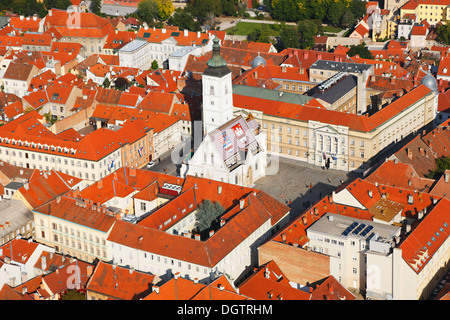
{"points": [[217, 91]]}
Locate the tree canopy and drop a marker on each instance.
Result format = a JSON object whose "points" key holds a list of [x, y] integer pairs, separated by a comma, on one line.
{"points": [[360, 50], [207, 215], [341, 13], [443, 33], [442, 164], [184, 20]]}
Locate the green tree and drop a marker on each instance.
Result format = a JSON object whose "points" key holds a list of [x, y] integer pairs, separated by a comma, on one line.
{"points": [[335, 12], [307, 29], [165, 9], [229, 8], [358, 8], [207, 215], [121, 83], [285, 10], [28, 8], [148, 11], [442, 164], [360, 50], [57, 4], [348, 19], [262, 34], [73, 295], [96, 6], [155, 65], [289, 38], [200, 8], [443, 33], [106, 83], [184, 20]]}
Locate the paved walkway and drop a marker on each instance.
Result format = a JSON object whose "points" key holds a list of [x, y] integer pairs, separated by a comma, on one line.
{"points": [[300, 184], [296, 184]]}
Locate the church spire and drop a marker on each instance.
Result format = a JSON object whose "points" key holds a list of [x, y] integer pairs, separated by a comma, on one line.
{"points": [[217, 66], [216, 60]]}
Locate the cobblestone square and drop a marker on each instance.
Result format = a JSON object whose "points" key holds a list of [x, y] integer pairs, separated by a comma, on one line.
{"points": [[299, 184]]}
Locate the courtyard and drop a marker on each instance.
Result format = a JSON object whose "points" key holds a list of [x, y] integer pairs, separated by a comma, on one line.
{"points": [[299, 185]]}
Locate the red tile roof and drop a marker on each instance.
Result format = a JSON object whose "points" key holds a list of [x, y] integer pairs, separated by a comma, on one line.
{"points": [[120, 283], [311, 112], [331, 289], [156, 35], [68, 209], [257, 209], [268, 283], [45, 186], [20, 249], [400, 175], [427, 237], [64, 279], [25, 24]]}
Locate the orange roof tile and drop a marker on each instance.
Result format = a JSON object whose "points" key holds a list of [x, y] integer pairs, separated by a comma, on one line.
{"points": [[268, 282], [429, 234], [119, 282], [331, 289]]}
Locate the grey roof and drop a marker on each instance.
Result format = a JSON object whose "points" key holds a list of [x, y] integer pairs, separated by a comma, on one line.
{"points": [[340, 66], [269, 94], [16, 213], [337, 226], [258, 61], [430, 82], [182, 51], [336, 91], [14, 185], [133, 45]]}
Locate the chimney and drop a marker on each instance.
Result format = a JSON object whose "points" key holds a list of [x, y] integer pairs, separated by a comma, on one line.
{"points": [[185, 32], [58, 199], [155, 289], [409, 153], [410, 199], [370, 193], [211, 233], [24, 290], [131, 270], [197, 237], [221, 287], [140, 239], [50, 12], [57, 271], [100, 184], [330, 288], [219, 189], [222, 222], [43, 262], [176, 275], [89, 270], [241, 203], [196, 280], [446, 176]]}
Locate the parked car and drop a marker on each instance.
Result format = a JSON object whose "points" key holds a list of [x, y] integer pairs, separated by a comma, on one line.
{"points": [[150, 164]]}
